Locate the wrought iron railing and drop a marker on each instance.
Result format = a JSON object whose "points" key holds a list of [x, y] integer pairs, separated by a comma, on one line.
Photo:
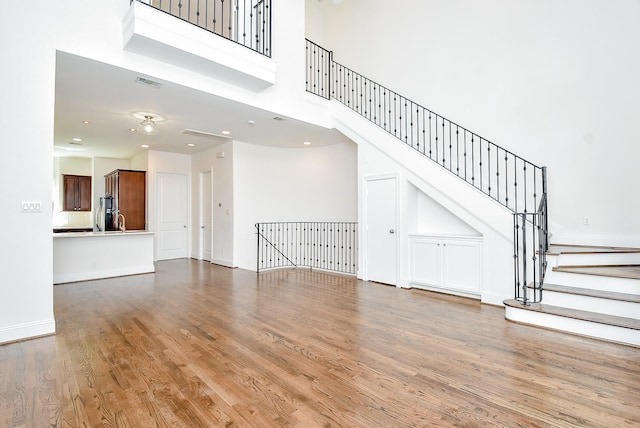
{"points": [[512, 181], [331, 246], [530, 243], [246, 22]]}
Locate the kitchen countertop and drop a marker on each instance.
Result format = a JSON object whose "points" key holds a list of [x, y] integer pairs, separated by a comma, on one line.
{"points": [[101, 234]]}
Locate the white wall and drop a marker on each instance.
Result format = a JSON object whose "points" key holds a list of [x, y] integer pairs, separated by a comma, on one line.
{"points": [[273, 184], [223, 209], [555, 82]]}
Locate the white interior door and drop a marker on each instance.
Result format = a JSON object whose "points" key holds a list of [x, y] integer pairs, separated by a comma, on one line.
{"points": [[381, 229], [172, 215], [206, 229]]}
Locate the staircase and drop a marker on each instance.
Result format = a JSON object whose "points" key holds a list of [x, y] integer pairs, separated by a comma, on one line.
{"points": [[590, 291]]}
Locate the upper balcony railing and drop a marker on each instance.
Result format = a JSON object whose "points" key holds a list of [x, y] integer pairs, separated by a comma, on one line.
{"points": [[246, 22]]}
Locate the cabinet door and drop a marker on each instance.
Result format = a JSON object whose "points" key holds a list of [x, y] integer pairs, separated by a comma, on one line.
{"points": [[132, 198], [462, 265], [426, 262], [76, 193], [84, 193], [69, 192]]}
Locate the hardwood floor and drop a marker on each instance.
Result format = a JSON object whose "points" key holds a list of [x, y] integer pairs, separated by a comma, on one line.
{"points": [[198, 345]]}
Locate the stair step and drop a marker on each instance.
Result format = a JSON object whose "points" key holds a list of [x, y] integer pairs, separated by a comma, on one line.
{"points": [[602, 294], [593, 278], [613, 271], [593, 317], [586, 323], [601, 301], [576, 255], [556, 249]]}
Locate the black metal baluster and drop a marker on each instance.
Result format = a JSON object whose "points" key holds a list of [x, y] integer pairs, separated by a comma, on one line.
{"points": [[457, 150], [489, 167], [480, 173], [450, 147], [473, 161], [465, 154], [524, 179], [506, 179]]}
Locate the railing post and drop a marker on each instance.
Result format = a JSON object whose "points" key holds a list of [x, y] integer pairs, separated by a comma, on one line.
{"points": [[258, 248], [524, 260]]}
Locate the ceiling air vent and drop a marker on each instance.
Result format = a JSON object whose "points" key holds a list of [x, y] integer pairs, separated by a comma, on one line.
{"points": [[279, 119], [148, 82], [204, 134]]}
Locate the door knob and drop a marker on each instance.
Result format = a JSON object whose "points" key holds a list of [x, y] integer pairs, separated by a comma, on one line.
{"points": [[392, 231]]}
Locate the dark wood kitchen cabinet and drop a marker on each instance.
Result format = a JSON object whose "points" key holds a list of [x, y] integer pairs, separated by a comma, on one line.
{"points": [[77, 192], [128, 189]]}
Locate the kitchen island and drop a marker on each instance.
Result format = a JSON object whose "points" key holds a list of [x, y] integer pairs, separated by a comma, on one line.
{"points": [[82, 256]]}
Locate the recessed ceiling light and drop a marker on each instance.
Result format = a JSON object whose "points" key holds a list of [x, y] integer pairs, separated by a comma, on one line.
{"points": [[191, 145], [226, 132], [251, 122], [86, 122], [144, 146], [307, 143], [76, 139], [132, 129]]}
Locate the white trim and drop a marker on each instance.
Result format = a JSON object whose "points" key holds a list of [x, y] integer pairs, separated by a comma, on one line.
{"points": [[28, 330], [108, 273], [223, 262]]}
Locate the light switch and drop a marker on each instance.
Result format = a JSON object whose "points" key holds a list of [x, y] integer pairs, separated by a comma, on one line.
{"points": [[31, 206]]}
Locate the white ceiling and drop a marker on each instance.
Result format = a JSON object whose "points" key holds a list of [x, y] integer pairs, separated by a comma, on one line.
{"points": [[107, 96]]}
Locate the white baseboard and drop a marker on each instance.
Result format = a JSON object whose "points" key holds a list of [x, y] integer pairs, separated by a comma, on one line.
{"points": [[110, 273], [223, 262], [494, 299], [630, 241], [17, 332]]}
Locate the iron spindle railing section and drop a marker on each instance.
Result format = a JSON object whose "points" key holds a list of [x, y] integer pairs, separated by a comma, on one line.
{"points": [[504, 176], [246, 22], [328, 246]]}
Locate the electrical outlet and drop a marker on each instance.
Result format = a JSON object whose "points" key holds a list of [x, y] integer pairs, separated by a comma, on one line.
{"points": [[586, 221]]}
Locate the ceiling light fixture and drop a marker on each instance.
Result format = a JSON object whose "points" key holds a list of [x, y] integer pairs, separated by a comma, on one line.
{"points": [[307, 143], [144, 146], [191, 145], [148, 126], [226, 132]]}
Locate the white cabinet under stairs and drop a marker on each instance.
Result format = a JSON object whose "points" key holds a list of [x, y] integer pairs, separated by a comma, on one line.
{"points": [[591, 291], [449, 264]]}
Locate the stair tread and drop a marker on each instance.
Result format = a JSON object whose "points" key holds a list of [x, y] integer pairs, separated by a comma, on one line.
{"points": [[556, 249], [614, 271], [603, 294], [595, 317]]}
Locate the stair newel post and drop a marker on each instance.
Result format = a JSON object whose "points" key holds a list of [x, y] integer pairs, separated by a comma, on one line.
{"points": [[525, 299], [545, 214]]}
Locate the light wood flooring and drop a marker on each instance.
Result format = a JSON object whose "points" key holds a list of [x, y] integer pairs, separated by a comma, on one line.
{"points": [[198, 345]]}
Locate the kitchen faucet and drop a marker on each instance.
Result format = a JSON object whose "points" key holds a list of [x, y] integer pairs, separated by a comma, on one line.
{"points": [[121, 223]]}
